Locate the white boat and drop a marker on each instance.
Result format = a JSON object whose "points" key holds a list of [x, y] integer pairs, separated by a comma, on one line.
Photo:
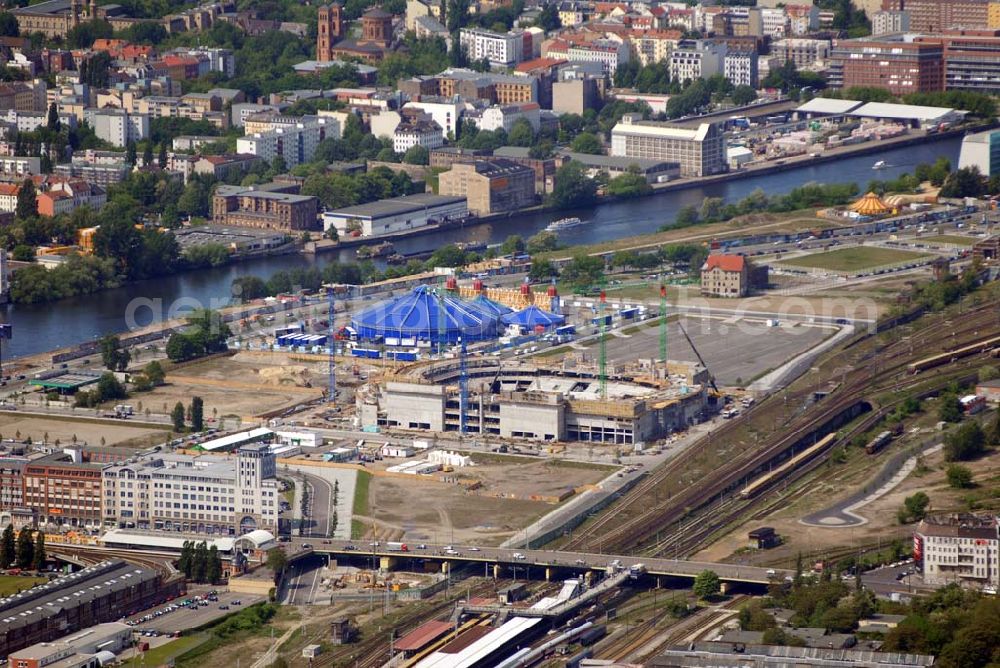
{"points": [[881, 164], [563, 224]]}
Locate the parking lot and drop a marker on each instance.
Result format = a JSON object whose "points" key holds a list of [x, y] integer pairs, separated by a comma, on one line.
{"points": [[172, 617]]}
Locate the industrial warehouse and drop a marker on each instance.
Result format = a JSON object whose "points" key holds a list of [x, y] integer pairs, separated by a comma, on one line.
{"points": [[479, 393]]}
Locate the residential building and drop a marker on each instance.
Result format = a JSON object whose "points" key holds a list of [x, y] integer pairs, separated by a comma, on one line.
{"points": [[416, 132], [503, 117], [243, 110], [57, 194], [545, 71], [16, 167], [224, 167], [118, 126], [768, 22], [64, 490], [898, 66], [574, 96], [446, 113], [500, 49], [608, 52], [204, 494], [885, 23], [931, 16], [96, 172], [740, 68], [805, 53], [24, 96], [396, 214], [471, 85], [959, 548], [295, 144], [725, 276], [981, 150], [700, 151], [103, 592], [694, 59], [29, 121], [263, 209], [428, 27], [329, 30], [493, 186], [653, 46]]}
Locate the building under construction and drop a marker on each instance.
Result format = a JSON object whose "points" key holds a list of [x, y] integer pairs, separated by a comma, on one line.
{"points": [[521, 400]]}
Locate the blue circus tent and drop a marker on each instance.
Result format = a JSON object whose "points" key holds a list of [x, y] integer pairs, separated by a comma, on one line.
{"points": [[533, 317], [496, 308], [426, 315]]}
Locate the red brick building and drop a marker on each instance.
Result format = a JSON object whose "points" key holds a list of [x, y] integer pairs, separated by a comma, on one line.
{"points": [[329, 29], [937, 15], [64, 490], [899, 67]]}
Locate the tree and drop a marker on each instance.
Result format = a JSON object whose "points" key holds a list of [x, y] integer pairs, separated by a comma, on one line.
{"points": [[161, 159], [965, 443], [584, 271], [548, 19], [27, 202], [8, 25], [113, 356], [587, 142], [521, 133], [706, 584], [743, 95], [417, 155], [959, 477], [197, 414], [38, 560], [213, 569], [276, 561], [177, 417], [130, 155], [199, 562], [950, 408], [512, 245], [7, 547], [154, 373], [914, 508], [52, 122], [147, 154], [542, 242], [25, 549], [108, 388], [542, 270], [686, 216], [573, 188], [184, 563]]}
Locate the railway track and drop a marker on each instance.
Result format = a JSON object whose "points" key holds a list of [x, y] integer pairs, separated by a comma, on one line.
{"points": [[864, 373]]}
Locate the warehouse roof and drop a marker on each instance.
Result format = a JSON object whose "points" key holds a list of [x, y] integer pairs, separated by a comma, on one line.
{"points": [[164, 541], [825, 105], [397, 205], [621, 162], [235, 439], [905, 111], [419, 637]]}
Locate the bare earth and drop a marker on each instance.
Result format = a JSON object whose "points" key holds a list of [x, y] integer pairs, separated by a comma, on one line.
{"points": [[85, 432]]}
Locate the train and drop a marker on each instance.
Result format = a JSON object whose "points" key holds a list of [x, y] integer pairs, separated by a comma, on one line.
{"points": [[757, 485], [592, 635], [878, 442], [992, 344]]}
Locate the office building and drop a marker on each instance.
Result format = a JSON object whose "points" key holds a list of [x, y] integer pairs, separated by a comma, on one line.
{"points": [[117, 126], [64, 490], [971, 59], [901, 67], [205, 494], [931, 16], [700, 151], [490, 186], [296, 144], [960, 548], [263, 208]]}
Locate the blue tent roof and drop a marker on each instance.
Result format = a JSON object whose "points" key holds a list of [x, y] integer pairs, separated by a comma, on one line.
{"points": [[427, 315], [533, 316], [493, 307]]}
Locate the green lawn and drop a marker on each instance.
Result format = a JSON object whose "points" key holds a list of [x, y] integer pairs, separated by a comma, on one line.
{"points": [[11, 584], [854, 259], [955, 239], [164, 653], [360, 506]]}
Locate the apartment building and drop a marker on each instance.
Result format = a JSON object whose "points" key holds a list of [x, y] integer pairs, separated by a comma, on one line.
{"points": [[503, 117], [64, 490], [296, 144], [960, 548], [725, 276], [500, 49], [118, 126], [971, 59], [24, 96], [204, 494], [490, 186], [768, 22], [700, 151], [471, 85], [263, 209], [803, 52], [693, 59], [885, 23], [17, 167], [740, 68], [930, 16], [445, 113], [416, 132], [609, 53]]}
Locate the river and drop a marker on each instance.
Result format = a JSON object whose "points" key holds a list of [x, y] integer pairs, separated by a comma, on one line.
{"points": [[41, 327]]}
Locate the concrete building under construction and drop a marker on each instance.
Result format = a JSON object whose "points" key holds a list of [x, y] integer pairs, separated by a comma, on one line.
{"points": [[522, 400]]}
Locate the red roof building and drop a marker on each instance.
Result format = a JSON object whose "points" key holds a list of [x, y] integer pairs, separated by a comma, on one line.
{"points": [[422, 636], [725, 276]]}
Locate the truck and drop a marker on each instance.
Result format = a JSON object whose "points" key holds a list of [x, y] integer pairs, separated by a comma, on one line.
{"points": [[397, 547], [124, 409]]}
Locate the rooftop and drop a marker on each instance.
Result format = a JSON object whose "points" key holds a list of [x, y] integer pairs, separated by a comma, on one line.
{"points": [[621, 162], [823, 105], [397, 205]]}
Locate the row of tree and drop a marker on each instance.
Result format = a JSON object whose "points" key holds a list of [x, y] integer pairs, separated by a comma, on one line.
{"points": [[200, 563], [24, 551], [194, 415]]}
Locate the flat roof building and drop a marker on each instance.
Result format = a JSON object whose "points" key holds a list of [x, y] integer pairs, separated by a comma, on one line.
{"points": [[700, 151], [78, 649], [397, 214], [64, 490], [962, 548], [490, 186], [654, 171], [263, 209]]}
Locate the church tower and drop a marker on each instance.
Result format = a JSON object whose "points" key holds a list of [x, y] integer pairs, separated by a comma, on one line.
{"points": [[328, 31]]}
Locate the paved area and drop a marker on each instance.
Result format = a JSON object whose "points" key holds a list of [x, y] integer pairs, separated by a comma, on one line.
{"points": [[182, 619], [322, 481]]}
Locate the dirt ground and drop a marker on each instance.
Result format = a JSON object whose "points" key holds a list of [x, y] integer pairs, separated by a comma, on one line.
{"points": [[243, 384], [86, 432], [431, 511], [881, 513]]}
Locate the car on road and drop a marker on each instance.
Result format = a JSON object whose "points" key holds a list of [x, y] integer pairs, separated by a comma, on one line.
{"points": [[581, 562], [350, 547], [519, 556], [223, 607], [306, 546], [421, 547], [473, 549]]}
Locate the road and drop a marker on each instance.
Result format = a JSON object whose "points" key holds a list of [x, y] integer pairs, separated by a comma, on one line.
{"points": [[302, 580], [539, 559]]}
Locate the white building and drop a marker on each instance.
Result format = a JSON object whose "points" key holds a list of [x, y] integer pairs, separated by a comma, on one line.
{"points": [[959, 548], [18, 166], [500, 49], [740, 68], [609, 53], [503, 117], [219, 60], [424, 133], [887, 22], [204, 494], [697, 59], [118, 126], [445, 113], [700, 151], [396, 214], [296, 144], [773, 22], [29, 121]]}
